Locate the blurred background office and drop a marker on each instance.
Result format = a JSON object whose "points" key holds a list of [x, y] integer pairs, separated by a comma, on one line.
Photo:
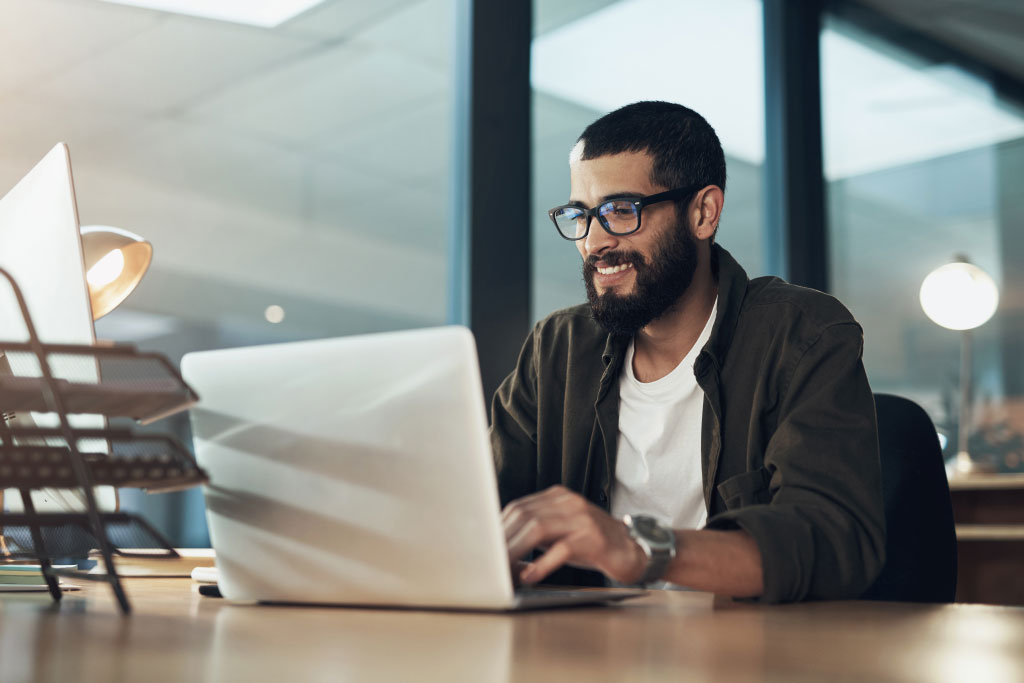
{"points": [[307, 168]]}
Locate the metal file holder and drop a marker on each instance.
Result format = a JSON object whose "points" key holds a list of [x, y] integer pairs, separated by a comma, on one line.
{"points": [[132, 384]]}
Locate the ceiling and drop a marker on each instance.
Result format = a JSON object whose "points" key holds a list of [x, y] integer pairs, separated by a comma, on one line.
{"points": [[990, 31], [307, 162]]}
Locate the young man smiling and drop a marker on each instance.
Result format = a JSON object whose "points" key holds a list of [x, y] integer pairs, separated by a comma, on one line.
{"points": [[687, 426]]}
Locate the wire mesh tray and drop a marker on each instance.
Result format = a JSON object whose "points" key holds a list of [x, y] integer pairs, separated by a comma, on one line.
{"points": [[115, 381], [35, 458], [68, 535]]}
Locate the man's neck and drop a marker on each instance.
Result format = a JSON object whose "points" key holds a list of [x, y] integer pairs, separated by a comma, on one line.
{"points": [[662, 345]]}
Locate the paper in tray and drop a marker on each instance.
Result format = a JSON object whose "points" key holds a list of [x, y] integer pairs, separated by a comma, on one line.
{"points": [[155, 399]]}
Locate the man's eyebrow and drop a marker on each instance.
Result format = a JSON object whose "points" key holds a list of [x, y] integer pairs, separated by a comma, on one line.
{"points": [[613, 195], [622, 195]]}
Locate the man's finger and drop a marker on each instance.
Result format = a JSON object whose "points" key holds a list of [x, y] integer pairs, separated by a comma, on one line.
{"points": [[540, 528], [556, 556], [521, 543], [514, 522], [542, 499]]}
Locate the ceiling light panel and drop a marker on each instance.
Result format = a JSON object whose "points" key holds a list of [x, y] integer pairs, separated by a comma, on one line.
{"points": [[263, 13]]}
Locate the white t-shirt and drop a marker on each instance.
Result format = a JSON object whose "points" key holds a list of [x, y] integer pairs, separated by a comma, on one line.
{"points": [[658, 470]]}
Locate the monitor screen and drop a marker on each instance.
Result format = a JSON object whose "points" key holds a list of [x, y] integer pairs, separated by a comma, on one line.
{"points": [[41, 248]]}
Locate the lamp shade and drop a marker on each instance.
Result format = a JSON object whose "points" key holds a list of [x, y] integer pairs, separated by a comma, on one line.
{"points": [[115, 261], [959, 296]]}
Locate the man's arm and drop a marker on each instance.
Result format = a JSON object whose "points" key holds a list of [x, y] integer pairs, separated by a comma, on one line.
{"points": [[822, 536], [576, 532], [513, 429]]}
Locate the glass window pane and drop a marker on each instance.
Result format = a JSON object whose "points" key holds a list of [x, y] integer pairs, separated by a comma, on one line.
{"points": [[292, 177], [923, 162], [580, 71]]}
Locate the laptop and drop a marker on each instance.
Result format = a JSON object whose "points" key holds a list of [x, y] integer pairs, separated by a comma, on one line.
{"points": [[356, 471]]}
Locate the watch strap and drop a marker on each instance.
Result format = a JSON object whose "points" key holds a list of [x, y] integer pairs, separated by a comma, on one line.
{"points": [[659, 555]]}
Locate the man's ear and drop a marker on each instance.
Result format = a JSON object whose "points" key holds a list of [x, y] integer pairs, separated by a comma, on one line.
{"points": [[706, 211]]}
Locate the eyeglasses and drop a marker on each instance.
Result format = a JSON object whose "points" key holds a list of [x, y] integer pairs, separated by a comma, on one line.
{"points": [[618, 215]]}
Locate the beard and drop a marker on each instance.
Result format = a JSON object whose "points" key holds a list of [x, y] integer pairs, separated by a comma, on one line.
{"points": [[659, 283]]}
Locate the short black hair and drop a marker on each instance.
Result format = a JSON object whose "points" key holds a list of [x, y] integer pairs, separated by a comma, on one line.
{"points": [[684, 146]]}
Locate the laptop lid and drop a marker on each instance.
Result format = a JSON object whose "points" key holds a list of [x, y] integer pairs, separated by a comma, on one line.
{"points": [[355, 470]]}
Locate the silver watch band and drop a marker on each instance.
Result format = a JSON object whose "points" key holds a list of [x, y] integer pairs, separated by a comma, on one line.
{"points": [[657, 542], [657, 564]]}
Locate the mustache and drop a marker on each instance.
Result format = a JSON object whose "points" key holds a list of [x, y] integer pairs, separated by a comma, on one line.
{"points": [[615, 258]]}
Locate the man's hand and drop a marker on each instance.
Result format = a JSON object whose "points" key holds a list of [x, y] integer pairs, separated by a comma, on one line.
{"points": [[573, 531]]}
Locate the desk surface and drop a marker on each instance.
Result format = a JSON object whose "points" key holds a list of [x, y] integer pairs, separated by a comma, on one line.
{"points": [[987, 482], [175, 634]]}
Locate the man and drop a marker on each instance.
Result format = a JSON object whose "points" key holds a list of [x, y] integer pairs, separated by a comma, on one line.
{"points": [[688, 425]]}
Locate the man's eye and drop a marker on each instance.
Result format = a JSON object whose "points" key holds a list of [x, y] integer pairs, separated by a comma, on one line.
{"points": [[617, 209]]}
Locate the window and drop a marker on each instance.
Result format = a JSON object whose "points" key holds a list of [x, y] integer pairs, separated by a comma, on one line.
{"points": [[580, 71], [923, 162], [297, 173]]}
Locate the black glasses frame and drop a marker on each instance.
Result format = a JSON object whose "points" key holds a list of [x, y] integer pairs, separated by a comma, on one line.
{"points": [[638, 202]]}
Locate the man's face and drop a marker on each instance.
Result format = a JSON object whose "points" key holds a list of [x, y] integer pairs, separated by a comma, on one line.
{"points": [[633, 279]]}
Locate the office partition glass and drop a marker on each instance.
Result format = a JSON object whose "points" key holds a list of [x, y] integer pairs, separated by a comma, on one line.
{"points": [[292, 178], [924, 162], [592, 56]]}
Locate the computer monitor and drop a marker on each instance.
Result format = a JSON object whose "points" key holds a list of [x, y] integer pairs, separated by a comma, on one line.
{"points": [[41, 248]]}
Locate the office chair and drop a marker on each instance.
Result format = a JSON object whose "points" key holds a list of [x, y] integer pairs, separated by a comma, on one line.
{"points": [[920, 541]]}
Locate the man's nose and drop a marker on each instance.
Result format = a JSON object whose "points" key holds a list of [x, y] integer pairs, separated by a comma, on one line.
{"points": [[598, 240]]}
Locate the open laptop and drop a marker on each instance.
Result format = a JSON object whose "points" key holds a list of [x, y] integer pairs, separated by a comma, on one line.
{"points": [[356, 471]]}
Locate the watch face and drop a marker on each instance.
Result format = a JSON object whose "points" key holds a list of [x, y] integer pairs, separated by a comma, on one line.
{"points": [[649, 528]]}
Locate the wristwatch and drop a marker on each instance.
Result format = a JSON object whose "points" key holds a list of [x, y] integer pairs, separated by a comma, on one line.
{"points": [[658, 543]]}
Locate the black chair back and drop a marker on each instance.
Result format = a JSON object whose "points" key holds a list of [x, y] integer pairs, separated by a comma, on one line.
{"points": [[920, 536]]}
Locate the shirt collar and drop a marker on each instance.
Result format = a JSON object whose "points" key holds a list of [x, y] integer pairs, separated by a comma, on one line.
{"points": [[732, 288]]}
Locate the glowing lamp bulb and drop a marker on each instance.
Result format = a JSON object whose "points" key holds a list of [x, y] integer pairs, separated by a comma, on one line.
{"points": [[959, 296], [106, 270], [274, 314]]}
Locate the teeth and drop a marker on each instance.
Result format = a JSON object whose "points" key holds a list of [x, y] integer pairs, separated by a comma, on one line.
{"points": [[616, 269]]}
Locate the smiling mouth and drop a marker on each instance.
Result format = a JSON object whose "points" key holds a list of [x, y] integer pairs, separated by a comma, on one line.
{"points": [[614, 269]]}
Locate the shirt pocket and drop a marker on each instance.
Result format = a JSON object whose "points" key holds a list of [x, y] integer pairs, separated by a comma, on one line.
{"points": [[749, 488]]}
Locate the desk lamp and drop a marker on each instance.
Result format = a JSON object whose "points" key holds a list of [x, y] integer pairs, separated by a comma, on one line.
{"points": [[960, 296], [115, 261]]}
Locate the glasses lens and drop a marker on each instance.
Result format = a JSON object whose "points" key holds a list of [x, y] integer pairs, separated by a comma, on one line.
{"points": [[571, 222], [620, 215]]}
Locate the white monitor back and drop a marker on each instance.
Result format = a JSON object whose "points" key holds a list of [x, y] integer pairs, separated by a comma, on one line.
{"points": [[41, 247]]}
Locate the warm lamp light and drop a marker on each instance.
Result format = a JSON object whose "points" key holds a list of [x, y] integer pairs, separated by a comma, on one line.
{"points": [[961, 296], [106, 270], [115, 261]]}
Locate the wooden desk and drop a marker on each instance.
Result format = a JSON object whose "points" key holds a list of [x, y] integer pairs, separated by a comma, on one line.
{"points": [[176, 635], [989, 514]]}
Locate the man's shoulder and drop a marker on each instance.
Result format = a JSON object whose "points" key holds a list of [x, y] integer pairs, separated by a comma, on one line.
{"points": [[777, 301], [570, 331]]}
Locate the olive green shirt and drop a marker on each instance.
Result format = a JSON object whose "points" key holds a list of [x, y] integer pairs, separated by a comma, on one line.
{"points": [[789, 441]]}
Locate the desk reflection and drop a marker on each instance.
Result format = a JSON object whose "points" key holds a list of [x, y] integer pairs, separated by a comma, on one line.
{"points": [[354, 644]]}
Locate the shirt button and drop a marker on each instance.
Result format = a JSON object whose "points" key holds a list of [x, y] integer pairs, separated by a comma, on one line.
{"points": [[602, 497]]}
